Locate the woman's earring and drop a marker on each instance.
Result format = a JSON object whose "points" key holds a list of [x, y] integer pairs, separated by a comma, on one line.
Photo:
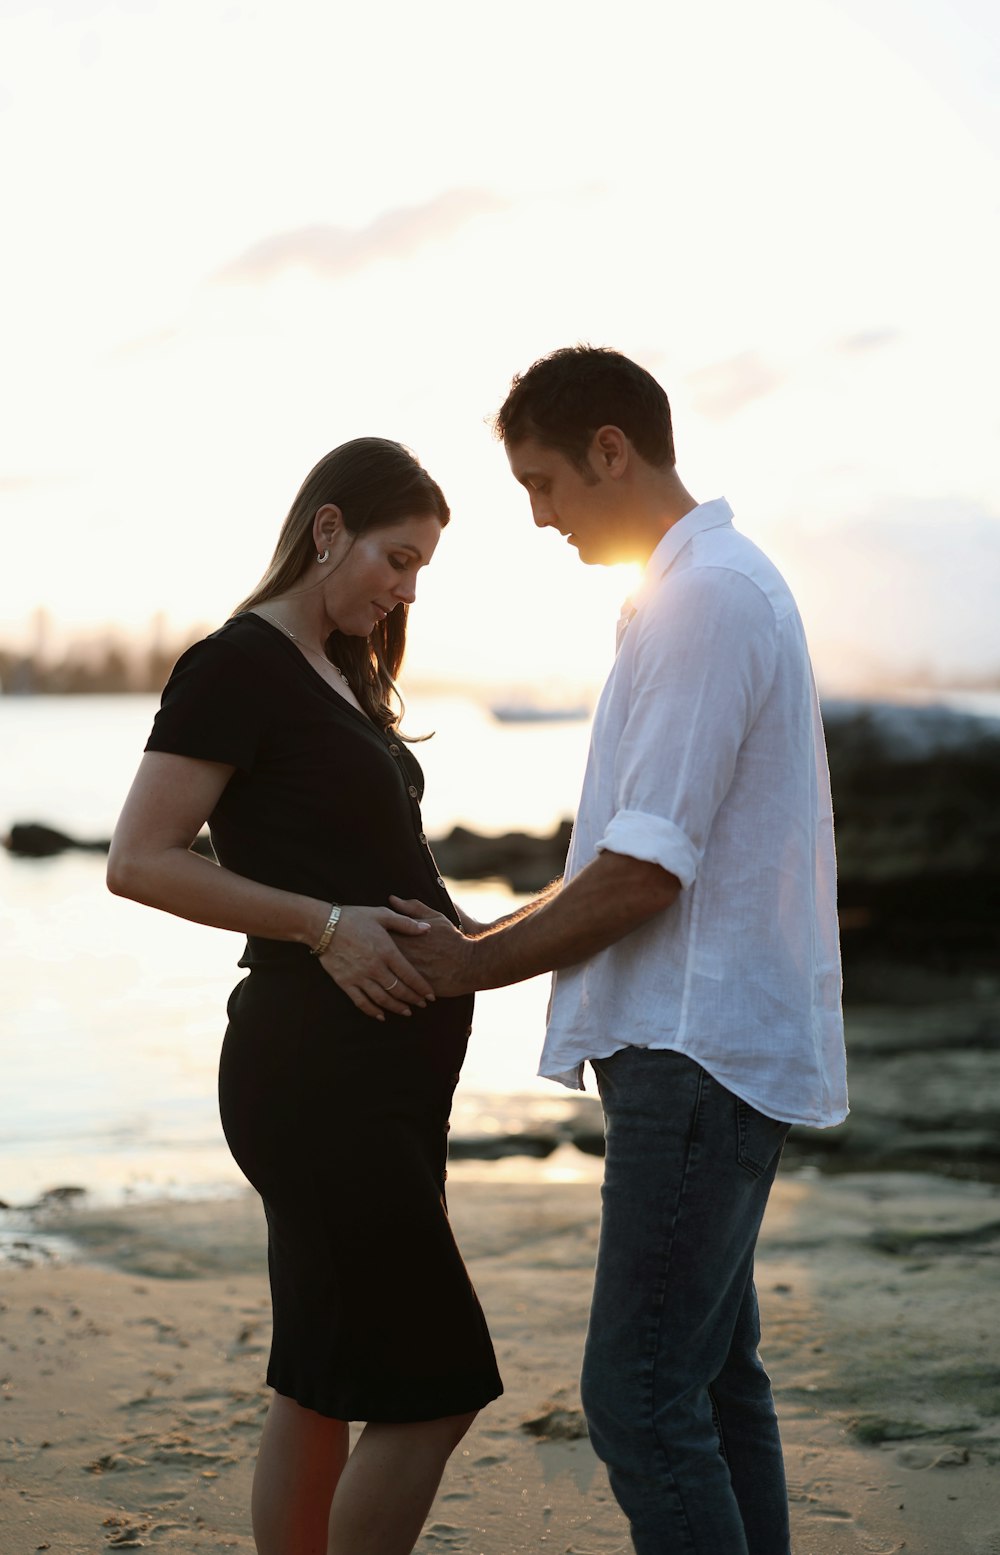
{"points": [[323, 556]]}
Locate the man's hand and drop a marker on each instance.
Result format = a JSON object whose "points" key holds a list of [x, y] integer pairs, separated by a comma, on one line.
{"points": [[610, 897], [442, 954]]}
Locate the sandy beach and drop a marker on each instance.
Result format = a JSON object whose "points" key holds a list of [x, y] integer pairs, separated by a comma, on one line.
{"points": [[134, 1342]]}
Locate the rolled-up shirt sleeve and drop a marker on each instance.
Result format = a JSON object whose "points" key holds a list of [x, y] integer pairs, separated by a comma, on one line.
{"points": [[704, 660]]}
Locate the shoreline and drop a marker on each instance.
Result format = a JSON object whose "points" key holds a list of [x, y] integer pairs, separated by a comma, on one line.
{"points": [[924, 1074], [132, 1374]]}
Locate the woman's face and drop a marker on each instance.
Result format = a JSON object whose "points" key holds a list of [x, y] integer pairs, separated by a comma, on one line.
{"points": [[374, 572]]}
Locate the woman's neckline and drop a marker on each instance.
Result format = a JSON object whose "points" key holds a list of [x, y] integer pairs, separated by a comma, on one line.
{"points": [[274, 630]]}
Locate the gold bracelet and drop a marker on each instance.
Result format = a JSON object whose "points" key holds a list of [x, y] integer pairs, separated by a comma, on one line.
{"points": [[327, 934]]}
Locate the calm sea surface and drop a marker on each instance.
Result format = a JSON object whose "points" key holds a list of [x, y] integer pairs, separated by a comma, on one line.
{"points": [[112, 1014]]}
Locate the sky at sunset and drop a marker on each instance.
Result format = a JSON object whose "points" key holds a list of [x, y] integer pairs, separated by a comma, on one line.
{"points": [[236, 234]]}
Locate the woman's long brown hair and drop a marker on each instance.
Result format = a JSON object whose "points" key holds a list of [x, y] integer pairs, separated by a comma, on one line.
{"points": [[373, 482]]}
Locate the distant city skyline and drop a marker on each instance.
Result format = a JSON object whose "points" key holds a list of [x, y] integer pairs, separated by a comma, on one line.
{"points": [[107, 657]]}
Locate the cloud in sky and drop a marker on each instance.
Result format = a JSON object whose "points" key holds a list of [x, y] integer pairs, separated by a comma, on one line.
{"points": [[154, 341], [721, 390], [871, 339], [14, 485], [335, 251], [911, 584]]}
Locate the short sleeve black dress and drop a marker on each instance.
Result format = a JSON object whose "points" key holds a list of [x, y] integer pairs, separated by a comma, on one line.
{"points": [[338, 1120]]}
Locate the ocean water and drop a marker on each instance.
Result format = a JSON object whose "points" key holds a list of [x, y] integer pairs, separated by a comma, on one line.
{"points": [[113, 1014]]}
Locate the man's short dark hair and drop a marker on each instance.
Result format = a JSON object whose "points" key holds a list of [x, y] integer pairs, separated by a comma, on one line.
{"points": [[564, 398]]}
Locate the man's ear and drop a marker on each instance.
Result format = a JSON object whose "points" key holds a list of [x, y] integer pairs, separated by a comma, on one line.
{"points": [[609, 451]]}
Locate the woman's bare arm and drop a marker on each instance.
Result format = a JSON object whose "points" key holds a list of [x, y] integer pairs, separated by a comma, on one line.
{"points": [[151, 862]]}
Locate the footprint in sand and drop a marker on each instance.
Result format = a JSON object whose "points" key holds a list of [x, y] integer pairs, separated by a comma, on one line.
{"points": [[114, 1463], [125, 1535], [557, 1424], [245, 1342], [447, 1534], [932, 1457], [177, 1448], [166, 1333], [163, 1530]]}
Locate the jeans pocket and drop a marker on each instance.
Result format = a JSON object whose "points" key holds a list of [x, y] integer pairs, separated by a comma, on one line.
{"points": [[759, 1138]]}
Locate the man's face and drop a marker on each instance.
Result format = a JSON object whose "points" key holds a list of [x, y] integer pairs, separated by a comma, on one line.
{"points": [[563, 498]]}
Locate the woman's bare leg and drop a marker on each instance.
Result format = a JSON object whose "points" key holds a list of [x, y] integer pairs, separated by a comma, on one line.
{"points": [[388, 1484], [301, 1458]]}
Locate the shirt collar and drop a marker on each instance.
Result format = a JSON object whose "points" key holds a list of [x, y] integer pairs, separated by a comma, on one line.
{"points": [[707, 515]]}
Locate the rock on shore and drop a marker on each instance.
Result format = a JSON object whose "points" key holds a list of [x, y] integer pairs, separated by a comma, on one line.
{"points": [[917, 805]]}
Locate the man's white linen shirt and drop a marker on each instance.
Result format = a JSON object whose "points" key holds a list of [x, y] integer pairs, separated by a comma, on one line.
{"points": [[707, 757]]}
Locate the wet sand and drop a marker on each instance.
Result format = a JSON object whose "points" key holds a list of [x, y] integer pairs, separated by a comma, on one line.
{"points": [[131, 1372]]}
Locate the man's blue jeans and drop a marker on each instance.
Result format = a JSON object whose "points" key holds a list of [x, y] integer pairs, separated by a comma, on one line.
{"points": [[678, 1403]]}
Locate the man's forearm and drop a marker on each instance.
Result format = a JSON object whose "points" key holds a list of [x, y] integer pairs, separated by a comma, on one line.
{"points": [[612, 896], [525, 911]]}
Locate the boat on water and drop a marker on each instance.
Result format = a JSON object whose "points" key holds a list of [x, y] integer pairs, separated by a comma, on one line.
{"points": [[536, 712]]}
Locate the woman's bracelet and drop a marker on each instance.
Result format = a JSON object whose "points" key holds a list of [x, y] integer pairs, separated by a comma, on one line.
{"points": [[327, 934]]}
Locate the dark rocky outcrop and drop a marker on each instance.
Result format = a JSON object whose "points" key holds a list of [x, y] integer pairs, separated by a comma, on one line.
{"points": [[917, 803], [527, 863], [33, 839]]}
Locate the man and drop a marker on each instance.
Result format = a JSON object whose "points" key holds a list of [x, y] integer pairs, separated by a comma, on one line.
{"points": [[694, 941]]}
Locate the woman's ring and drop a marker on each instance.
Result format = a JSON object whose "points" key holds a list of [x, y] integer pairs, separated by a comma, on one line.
{"points": [[392, 985]]}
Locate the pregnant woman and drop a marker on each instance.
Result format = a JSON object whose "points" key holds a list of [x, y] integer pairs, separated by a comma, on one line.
{"points": [[281, 731]]}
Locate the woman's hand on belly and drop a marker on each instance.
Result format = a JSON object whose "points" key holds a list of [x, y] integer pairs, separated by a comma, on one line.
{"points": [[368, 963]]}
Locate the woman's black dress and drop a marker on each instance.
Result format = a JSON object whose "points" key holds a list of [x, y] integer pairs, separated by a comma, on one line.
{"points": [[338, 1120]]}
